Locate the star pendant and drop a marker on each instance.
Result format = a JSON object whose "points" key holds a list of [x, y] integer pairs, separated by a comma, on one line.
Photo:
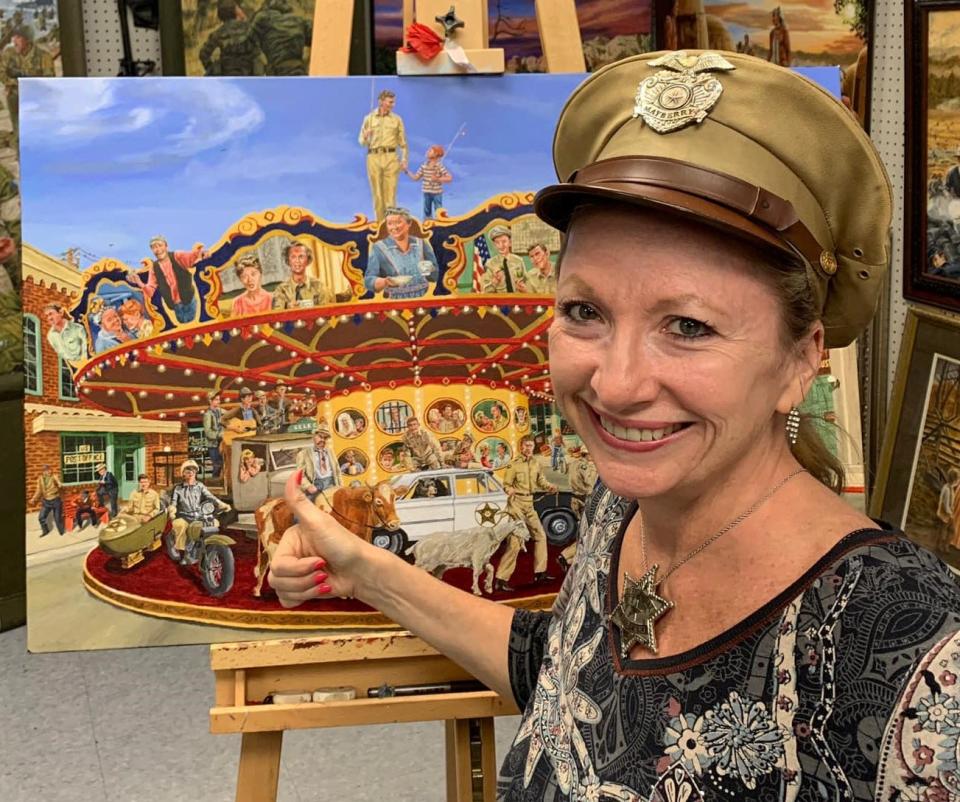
{"points": [[637, 612]]}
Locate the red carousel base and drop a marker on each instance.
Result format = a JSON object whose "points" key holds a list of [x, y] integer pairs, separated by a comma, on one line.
{"points": [[159, 587]]}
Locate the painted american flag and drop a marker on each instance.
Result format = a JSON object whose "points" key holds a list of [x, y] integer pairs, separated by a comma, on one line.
{"points": [[481, 252]]}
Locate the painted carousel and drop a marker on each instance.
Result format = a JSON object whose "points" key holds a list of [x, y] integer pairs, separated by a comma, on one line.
{"points": [[402, 365]]}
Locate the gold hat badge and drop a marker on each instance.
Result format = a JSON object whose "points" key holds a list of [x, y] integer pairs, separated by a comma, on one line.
{"points": [[682, 93]]}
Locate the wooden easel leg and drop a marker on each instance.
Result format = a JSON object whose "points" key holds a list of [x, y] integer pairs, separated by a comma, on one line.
{"points": [[259, 772], [471, 760]]}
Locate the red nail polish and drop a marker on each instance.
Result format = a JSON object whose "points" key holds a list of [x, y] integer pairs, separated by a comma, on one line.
{"points": [[321, 564], [299, 476], [324, 589], [319, 578]]}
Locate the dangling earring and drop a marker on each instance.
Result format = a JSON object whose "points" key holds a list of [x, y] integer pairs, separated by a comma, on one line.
{"points": [[793, 425]]}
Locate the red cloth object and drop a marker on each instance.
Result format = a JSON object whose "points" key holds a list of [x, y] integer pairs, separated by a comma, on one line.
{"points": [[423, 41]]}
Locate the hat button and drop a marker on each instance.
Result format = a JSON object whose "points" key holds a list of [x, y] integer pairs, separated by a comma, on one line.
{"points": [[828, 262]]}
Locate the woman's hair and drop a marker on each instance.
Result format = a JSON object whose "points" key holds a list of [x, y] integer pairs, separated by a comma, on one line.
{"points": [[787, 276], [248, 260]]}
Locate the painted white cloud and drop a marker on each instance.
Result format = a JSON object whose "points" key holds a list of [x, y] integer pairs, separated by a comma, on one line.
{"points": [[194, 115]]}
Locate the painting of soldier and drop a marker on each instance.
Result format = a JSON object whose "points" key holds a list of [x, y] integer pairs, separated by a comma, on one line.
{"points": [[932, 516], [807, 33], [247, 37]]}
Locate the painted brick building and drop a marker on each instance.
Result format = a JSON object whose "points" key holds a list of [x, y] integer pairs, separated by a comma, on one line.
{"points": [[59, 430]]}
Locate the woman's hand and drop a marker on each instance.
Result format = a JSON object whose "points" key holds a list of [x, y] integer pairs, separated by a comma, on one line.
{"points": [[316, 558]]}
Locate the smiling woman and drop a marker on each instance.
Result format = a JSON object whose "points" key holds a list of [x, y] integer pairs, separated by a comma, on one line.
{"points": [[712, 253]]}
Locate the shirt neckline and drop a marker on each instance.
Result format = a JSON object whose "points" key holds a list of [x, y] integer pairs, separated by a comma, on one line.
{"points": [[739, 631]]}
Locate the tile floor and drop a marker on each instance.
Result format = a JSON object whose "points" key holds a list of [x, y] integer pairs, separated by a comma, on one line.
{"points": [[131, 725]]}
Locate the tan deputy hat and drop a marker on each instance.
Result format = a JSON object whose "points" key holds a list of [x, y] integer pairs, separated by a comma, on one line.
{"points": [[744, 145], [189, 463], [500, 231]]}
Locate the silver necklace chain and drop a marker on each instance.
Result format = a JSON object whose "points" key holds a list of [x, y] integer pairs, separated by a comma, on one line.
{"points": [[713, 538]]}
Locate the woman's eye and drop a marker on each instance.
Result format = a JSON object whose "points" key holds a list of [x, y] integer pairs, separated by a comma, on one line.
{"points": [[579, 312], [688, 328]]}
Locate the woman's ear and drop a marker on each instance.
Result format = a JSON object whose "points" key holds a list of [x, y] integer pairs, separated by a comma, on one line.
{"points": [[808, 353]]}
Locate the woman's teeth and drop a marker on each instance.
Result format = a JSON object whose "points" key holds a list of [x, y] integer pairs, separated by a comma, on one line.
{"points": [[638, 435]]}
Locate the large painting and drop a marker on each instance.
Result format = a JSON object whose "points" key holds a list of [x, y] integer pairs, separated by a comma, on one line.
{"points": [[932, 193], [610, 29], [792, 34], [266, 275], [918, 487]]}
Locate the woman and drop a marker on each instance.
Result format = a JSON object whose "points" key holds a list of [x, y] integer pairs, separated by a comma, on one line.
{"points": [[345, 425], [730, 628], [250, 465], [255, 298]]}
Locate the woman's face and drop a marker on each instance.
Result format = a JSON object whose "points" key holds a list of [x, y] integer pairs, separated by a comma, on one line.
{"points": [[250, 278], [666, 352]]}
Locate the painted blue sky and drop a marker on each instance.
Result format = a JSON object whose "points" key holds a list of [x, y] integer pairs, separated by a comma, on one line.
{"points": [[106, 163]]}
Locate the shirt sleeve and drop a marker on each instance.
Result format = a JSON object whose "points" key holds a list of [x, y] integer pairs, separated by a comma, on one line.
{"points": [[187, 259], [528, 643], [372, 273], [402, 140]]}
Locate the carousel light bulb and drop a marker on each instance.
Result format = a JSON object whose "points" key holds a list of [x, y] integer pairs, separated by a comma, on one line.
{"points": [[161, 368], [86, 390], [142, 394], [309, 360], [278, 348], [539, 308], [111, 391], [344, 318], [197, 338], [238, 380], [299, 324], [516, 309], [369, 316], [165, 346], [294, 355], [234, 332], [182, 414], [134, 364], [179, 342], [393, 313], [188, 371], [467, 310], [169, 396], [217, 335], [212, 376], [320, 321], [421, 310], [163, 415], [262, 383], [194, 398]]}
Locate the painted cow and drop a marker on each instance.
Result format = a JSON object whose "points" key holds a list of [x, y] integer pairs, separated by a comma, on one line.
{"points": [[358, 509]]}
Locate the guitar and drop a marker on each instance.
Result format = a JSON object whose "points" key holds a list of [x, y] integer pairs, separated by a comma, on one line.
{"points": [[236, 427]]}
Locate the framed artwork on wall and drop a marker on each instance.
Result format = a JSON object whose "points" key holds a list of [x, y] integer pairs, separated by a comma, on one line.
{"points": [[918, 484], [932, 177]]}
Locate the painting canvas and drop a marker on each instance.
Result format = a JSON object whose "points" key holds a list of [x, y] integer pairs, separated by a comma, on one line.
{"points": [[229, 279], [246, 37], [932, 515], [793, 34], [610, 29], [932, 208], [29, 45]]}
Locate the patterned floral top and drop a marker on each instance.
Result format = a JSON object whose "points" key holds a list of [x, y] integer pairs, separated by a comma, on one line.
{"points": [[844, 687]]}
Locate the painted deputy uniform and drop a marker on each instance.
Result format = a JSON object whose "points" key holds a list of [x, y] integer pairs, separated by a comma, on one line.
{"points": [[541, 284], [504, 274], [583, 478], [524, 477], [143, 503], [387, 136], [424, 450], [185, 506], [313, 292]]}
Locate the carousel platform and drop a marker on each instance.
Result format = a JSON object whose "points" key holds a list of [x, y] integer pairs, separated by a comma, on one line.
{"points": [[159, 587]]}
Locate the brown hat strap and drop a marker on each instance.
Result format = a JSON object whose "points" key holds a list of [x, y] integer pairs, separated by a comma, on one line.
{"points": [[753, 202]]}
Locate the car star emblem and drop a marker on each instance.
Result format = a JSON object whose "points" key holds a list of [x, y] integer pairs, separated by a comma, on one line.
{"points": [[682, 93], [487, 514]]}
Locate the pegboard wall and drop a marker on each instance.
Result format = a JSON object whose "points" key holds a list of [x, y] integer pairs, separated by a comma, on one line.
{"points": [[104, 49], [104, 45], [887, 120]]}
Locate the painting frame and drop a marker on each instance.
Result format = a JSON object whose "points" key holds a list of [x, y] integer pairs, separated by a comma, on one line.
{"points": [[928, 335], [918, 284], [73, 54]]}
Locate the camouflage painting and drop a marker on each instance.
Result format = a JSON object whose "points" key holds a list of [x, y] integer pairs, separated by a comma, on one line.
{"points": [[29, 45], [247, 37]]}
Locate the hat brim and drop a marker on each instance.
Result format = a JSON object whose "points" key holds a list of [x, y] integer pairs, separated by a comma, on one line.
{"points": [[556, 204]]}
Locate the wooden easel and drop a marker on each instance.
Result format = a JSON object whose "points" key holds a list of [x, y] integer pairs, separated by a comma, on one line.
{"points": [[247, 672]]}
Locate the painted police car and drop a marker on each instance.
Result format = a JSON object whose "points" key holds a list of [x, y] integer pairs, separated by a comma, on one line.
{"points": [[452, 499]]}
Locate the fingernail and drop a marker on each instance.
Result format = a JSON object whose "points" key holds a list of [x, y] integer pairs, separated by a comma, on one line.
{"points": [[319, 578], [324, 589], [321, 564], [299, 475]]}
